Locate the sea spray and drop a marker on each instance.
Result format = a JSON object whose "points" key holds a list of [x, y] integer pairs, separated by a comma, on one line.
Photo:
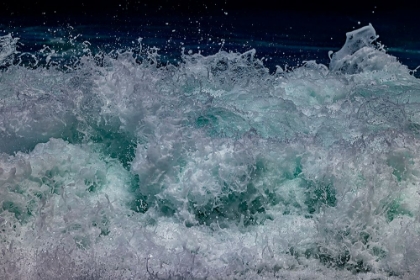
{"points": [[117, 166]]}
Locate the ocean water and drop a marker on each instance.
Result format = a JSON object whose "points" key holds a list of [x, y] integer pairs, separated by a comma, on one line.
{"points": [[150, 154]]}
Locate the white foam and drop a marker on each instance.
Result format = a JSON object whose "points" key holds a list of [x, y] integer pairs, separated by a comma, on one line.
{"points": [[214, 168]]}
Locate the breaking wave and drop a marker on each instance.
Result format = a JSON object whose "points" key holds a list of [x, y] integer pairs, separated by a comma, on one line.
{"points": [[114, 166]]}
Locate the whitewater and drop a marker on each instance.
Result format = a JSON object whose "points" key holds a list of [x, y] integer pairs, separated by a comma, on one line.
{"points": [[114, 165]]}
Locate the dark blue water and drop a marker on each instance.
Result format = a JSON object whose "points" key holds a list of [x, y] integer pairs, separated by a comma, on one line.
{"points": [[279, 37], [226, 146]]}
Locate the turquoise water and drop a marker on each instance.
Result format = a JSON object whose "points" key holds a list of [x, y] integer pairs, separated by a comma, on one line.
{"points": [[116, 165]]}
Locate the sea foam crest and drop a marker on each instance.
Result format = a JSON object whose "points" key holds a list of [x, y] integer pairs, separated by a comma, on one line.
{"points": [[360, 54], [7, 49], [210, 169]]}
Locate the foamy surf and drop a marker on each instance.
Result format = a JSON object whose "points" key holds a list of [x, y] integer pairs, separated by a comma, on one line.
{"points": [[117, 167]]}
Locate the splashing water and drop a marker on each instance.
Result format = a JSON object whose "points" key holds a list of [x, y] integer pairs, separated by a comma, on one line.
{"points": [[114, 167]]}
